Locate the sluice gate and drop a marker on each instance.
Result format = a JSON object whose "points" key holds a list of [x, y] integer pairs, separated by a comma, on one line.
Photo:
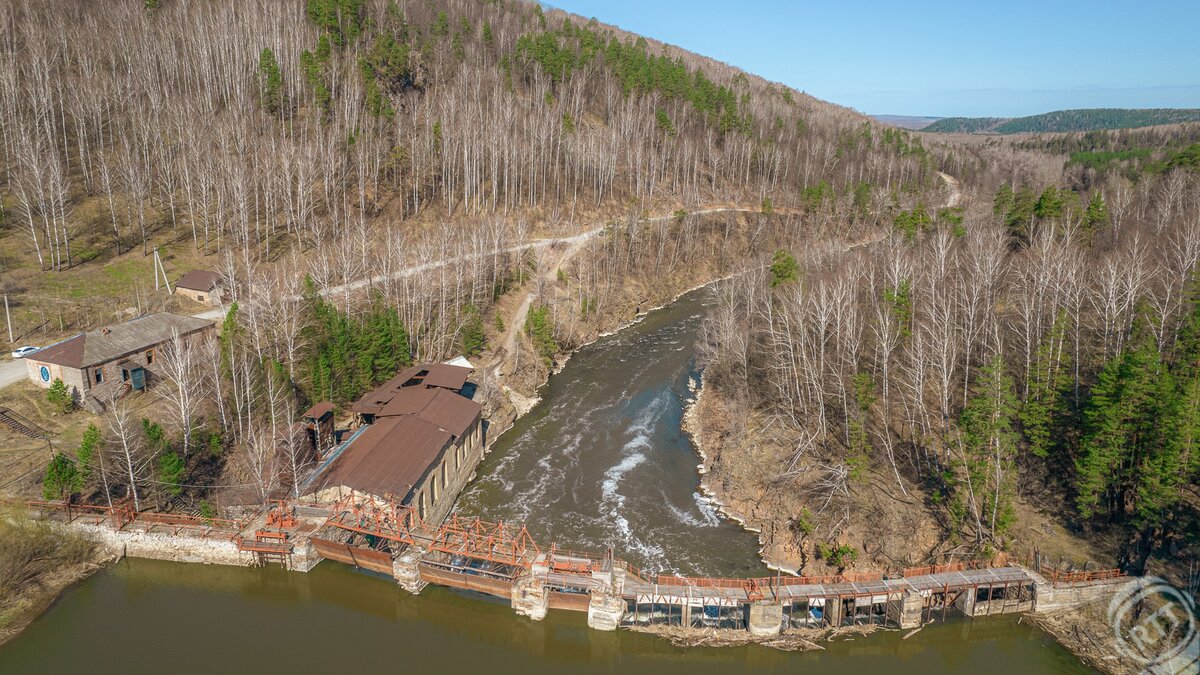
{"points": [[503, 560]]}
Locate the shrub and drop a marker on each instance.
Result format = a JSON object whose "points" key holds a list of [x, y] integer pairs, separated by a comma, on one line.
{"points": [[30, 549], [59, 396], [215, 445], [840, 556], [804, 522], [170, 473]]}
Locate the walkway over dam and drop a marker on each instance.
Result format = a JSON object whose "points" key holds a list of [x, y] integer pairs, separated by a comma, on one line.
{"points": [[504, 561]]}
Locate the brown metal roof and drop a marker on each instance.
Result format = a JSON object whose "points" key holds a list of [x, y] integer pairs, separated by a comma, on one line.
{"points": [[68, 353], [107, 344], [408, 401], [451, 412], [389, 458], [447, 376], [199, 280], [319, 410], [373, 401]]}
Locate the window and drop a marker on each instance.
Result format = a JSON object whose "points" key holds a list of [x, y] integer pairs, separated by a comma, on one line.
{"points": [[149, 356], [421, 506], [433, 488], [99, 375], [200, 297], [124, 375]]}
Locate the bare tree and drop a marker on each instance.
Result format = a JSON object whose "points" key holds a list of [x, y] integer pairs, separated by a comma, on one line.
{"points": [[129, 450], [185, 386]]}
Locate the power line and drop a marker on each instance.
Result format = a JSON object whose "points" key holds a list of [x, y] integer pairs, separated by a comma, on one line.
{"points": [[20, 478]]}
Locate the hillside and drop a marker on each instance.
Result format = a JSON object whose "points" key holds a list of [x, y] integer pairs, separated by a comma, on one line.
{"points": [[910, 122], [383, 182], [1090, 119], [342, 147]]}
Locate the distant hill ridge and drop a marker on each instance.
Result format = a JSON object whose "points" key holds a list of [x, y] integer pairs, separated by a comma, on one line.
{"points": [[1088, 119]]}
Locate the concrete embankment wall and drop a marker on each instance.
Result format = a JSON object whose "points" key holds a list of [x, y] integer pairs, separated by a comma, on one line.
{"points": [[166, 546], [1052, 597]]}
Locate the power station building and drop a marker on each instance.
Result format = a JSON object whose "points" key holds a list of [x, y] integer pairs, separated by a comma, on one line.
{"points": [[420, 439]]}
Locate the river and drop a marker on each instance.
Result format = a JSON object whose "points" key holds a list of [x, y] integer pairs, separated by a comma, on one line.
{"points": [[599, 462], [602, 462]]}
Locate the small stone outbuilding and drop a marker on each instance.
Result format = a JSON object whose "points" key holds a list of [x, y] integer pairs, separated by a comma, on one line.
{"points": [[102, 364], [202, 286]]}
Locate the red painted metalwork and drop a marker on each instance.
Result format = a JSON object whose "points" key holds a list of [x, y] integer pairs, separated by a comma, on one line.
{"points": [[281, 515], [392, 521], [576, 562], [122, 513], [948, 567], [267, 547], [1059, 576], [753, 592], [482, 540], [769, 582]]}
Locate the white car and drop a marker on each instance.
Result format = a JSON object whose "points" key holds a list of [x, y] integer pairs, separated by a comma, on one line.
{"points": [[23, 352]]}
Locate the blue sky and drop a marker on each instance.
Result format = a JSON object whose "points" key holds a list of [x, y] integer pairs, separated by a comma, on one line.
{"points": [[1001, 58]]}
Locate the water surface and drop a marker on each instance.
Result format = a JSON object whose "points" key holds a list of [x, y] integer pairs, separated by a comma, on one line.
{"points": [[145, 616], [601, 461]]}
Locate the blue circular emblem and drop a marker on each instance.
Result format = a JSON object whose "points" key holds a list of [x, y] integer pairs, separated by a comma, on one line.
{"points": [[45, 373]]}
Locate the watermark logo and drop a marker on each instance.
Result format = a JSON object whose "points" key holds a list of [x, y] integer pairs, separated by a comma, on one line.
{"points": [[1155, 626]]}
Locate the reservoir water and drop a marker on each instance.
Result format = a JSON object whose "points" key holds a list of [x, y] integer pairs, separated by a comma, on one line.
{"points": [[599, 462]]}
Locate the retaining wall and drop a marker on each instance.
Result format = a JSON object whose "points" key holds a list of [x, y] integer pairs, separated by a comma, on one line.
{"points": [[1053, 597], [166, 546]]}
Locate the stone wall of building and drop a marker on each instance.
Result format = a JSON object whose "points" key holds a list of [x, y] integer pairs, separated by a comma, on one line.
{"points": [[149, 359], [212, 298], [452, 473], [72, 377]]}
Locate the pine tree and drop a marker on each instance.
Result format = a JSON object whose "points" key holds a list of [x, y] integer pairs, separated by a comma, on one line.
{"points": [[472, 339], [990, 443], [1096, 213], [1126, 444], [87, 451], [62, 478], [1048, 384], [272, 81], [60, 396], [783, 267], [170, 473]]}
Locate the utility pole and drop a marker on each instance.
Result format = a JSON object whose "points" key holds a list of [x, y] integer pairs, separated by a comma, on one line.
{"points": [[159, 269], [8, 319]]}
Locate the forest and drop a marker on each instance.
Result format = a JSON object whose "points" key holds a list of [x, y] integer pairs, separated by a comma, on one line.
{"points": [[372, 178], [1088, 119], [1042, 350], [321, 154]]}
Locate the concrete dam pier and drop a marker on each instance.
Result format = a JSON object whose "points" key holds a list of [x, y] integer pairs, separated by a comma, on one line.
{"points": [[503, 561]]}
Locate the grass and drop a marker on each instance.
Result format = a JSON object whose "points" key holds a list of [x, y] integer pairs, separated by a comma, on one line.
{"points": [[37, 561], [20, 455]]}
